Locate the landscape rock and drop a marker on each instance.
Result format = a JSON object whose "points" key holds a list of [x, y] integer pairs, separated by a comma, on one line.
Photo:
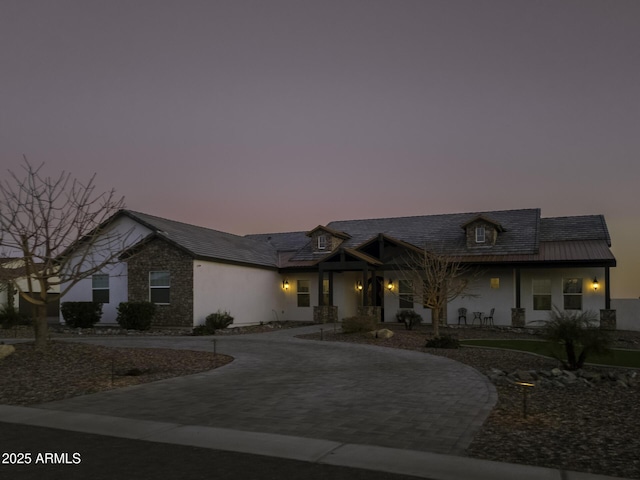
{"points": [[6, 350]]}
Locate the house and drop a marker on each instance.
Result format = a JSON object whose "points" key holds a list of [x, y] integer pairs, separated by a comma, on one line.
{"points": [[526, 264], [14, 278]]}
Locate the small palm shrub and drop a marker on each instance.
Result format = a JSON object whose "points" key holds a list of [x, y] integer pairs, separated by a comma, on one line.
{"points": [[136, 315], [576, 331], [409, 318], [443, 341], [361, 323], [81, 314]]}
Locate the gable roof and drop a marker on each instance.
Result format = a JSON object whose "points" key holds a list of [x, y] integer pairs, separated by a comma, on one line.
{"points": [[586, 227], [206, 243]]}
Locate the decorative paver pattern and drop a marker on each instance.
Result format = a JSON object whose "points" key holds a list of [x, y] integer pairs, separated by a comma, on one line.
{"points": [[328, 390]]}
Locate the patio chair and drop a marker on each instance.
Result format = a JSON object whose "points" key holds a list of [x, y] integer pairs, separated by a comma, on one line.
{"points": [[462, 315], [489, 318]]}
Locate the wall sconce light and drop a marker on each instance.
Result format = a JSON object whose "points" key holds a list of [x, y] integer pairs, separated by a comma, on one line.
{"points": [[285, 284], [390, 284], [358, 286], [595, 284]]}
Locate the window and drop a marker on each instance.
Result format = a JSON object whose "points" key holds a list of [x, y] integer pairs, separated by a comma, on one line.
{"points": [[322, 242], [572, 292], [495, 283], [325, 291], [541, 293], [159, 287], [480, 237], [304, 297], [100, 286], [405, 292]]}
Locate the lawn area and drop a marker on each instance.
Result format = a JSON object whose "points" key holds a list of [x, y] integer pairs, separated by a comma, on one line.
{"points": [[618, 358]]}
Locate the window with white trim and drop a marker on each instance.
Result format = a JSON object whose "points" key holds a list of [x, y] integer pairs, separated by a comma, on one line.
{"points": [[480, 235], [304, 297], [405, 293], [572, 293], [100, 288], [322, 242], [541, 289], [160, 287]]}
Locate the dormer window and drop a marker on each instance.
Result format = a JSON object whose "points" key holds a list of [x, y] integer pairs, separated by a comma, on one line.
{"points": [[480, 235], [322, 242]]}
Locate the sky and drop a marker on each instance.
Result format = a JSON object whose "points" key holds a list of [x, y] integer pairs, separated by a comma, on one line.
{"points": [[280, 115]]}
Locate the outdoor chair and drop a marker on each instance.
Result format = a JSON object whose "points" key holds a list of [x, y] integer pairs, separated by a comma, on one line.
{"points": [[489, 318], [462, 315]]}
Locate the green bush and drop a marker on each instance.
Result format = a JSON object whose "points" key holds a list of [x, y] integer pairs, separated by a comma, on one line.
{"points": [[409, 318], [81, 314], [10, 317], [359, 324], [443, 341], [213, 322], [136, 315]]}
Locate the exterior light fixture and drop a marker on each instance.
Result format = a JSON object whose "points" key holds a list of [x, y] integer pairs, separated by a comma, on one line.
{"points": [[285, 284], [358, 286], [390, 284], [595, 284], [526, 386]]}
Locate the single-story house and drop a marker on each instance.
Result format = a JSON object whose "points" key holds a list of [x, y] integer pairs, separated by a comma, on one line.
{"points": [[525, 264]]}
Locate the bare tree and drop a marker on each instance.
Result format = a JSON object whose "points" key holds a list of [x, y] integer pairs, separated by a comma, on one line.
{"points": [[55, 231], [435, 279]]}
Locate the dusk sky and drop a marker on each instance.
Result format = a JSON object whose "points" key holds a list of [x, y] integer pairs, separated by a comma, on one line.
{"points": [[279, 115]]}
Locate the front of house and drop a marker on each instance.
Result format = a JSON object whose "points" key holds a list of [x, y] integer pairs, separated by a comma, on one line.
{"points": [[523, 266]]}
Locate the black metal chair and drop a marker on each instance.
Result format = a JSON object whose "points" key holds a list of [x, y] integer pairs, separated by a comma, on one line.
{"points": [[462, 315], [489, 318]]}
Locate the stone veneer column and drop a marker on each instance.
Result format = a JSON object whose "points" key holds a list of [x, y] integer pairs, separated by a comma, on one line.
{"points": [[608, 319], [325, 314], [370, 311], [518, 317]]}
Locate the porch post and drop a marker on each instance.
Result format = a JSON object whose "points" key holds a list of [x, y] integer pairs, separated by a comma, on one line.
{"points": [[607, 289], [331, 287], [365, 274], [320, 279]]}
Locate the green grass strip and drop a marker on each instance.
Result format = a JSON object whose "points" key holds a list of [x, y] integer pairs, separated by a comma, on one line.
{"points": [[617, 358]]}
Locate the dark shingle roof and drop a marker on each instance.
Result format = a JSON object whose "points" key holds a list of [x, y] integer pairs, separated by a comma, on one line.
{"points": [[284, 242], [444, 233], [206, 243], [586, 227]]}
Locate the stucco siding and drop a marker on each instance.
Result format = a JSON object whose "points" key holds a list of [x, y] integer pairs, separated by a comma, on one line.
{"points": [[251, 295]]}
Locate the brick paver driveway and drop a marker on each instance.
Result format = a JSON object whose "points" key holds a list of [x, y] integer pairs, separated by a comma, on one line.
{"points": [[336, 391]]}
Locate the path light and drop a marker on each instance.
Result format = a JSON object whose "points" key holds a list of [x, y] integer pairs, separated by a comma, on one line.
{"points": [[526, 386], [595, 284]]}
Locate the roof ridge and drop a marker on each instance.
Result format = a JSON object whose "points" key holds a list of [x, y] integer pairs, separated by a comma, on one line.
{"points": [[135, 214], [437, 215]]}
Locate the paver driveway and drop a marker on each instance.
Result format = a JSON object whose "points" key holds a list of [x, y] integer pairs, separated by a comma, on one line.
{"points": [[336, 391]]}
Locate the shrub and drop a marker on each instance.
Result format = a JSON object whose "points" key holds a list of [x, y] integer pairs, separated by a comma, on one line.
{"points": [[81, 314], [136, 315], [10, 317], [409, 318], [443, 341], [576, 331], [213, 322], [359, 324]]}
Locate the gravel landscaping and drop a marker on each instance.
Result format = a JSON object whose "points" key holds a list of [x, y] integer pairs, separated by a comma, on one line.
{"points": [[589, 426]]}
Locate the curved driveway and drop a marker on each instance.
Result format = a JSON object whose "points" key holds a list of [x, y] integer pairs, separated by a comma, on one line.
{"points": [[327, 390]]}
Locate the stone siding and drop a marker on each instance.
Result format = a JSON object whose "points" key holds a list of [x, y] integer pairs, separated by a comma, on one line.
{"points": [[325, 314], [608, 319], [155, 256], [370, 311], [518, 317], [490, 234]]}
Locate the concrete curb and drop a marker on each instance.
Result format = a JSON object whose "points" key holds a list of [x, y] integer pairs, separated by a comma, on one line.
{"points": [[427, 465]]}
